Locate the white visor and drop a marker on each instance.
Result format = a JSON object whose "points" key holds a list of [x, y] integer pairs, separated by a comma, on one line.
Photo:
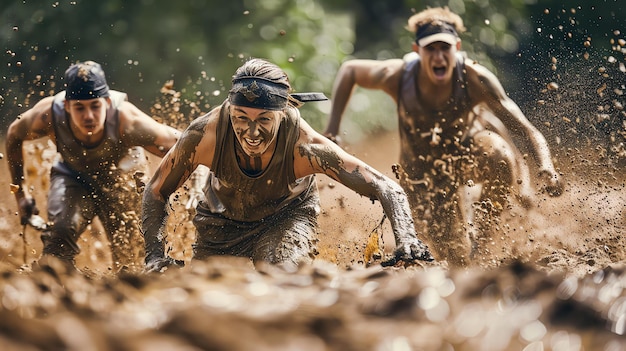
{"points": [[443, 37]]}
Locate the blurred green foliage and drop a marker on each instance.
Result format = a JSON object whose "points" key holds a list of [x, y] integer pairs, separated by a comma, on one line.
{"points": [[198, 44]]}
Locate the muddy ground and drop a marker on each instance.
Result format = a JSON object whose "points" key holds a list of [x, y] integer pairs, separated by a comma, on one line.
{"points": [[549, 278]]}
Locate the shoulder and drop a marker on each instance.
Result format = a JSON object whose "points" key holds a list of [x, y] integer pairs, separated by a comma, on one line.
{"points": [[41, 111], [477, 71], [308, 135], [202, 129], [484, 84], [375, 68], [208, 121]]}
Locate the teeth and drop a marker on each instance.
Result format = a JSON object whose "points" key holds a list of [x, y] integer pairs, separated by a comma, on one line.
{"points": [[253, 142]]}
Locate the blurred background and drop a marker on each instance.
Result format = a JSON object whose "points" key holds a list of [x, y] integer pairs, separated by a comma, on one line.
{"points": [[562, 63]]}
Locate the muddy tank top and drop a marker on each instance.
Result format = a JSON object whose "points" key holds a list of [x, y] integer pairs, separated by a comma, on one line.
{"points": [[233, 194], [77, 158], [408, 101], [417, 124]]}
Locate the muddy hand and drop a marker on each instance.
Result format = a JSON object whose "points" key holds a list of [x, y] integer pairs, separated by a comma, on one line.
{"points": [[27, 209], [159, 265], [551, 183], [410, 251]]}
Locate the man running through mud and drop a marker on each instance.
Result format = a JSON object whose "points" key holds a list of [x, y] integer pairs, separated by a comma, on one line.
{"points": [[261, 200], [455, 152], [93, 129]]}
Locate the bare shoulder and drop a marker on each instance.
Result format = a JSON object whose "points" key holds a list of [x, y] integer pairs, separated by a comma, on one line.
{"points": [[481, 79], [478, 73], [36, 122], [200, 137], [128, 112], [372, 74], [308, 135]]}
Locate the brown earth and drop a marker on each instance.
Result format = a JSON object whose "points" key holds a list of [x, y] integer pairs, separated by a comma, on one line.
{"points": [[548, 278]]}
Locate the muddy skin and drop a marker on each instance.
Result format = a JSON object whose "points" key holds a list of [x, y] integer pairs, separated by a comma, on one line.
{"points": [[250, 165], [390, 195], [154, 211], [185, 152], [143, 136]]}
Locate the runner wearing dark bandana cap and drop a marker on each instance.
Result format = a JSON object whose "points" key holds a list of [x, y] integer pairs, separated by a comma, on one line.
{"points": [[261, 199], [95, 131]]}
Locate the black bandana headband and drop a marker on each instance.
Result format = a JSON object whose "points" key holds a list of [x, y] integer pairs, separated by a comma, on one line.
{"points": [[257, 92]]}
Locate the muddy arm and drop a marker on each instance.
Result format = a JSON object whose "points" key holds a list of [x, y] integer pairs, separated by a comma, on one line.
{"points": [[322, 156], [174, 169]]}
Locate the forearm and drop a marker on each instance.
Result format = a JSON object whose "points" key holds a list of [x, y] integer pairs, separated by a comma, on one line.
{"points": [[15, 160], [154, 217], [391, 197], [396, 206], [342, 91], [542, 152]]}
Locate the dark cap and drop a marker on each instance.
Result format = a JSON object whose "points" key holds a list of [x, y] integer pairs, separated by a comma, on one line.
{"points": [[431, 32], [84, 81]]}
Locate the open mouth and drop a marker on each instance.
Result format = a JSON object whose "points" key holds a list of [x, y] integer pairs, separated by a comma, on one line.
{"points": [[253, 142], [439, 71]]}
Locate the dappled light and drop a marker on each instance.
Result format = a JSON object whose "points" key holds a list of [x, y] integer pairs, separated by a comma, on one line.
{"points": [[549, 276]]}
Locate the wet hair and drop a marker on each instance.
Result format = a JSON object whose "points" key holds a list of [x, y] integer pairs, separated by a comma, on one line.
{"points": [[261, 84], [266, 70], [435, 16]]}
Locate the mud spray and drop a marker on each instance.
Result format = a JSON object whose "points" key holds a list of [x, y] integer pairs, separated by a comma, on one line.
{"points": [[551, 278]]}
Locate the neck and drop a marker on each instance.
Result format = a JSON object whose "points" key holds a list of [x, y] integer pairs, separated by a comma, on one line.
{"points": [[88, 140], [251, 165]]}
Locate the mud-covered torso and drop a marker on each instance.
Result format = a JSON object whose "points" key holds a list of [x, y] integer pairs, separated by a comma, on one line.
{"points": [[232, 193], [88, 162], [427, 134]]}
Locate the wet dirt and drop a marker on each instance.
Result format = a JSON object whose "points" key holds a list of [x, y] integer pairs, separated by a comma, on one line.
{"points": [[549, 278]]}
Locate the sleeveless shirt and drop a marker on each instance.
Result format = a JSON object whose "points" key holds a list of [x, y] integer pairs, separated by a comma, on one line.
{"points": [[77, 159], [231, 193], [416, 124]]}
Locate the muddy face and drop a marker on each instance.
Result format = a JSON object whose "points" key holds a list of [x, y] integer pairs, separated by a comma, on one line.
{"points": [[254, 128]]}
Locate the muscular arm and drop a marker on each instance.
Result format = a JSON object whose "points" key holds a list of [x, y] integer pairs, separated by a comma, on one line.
{"points": [[196, 146], [33, 124], [316, 154], [139, 129], [369, 74], [487, 89]]}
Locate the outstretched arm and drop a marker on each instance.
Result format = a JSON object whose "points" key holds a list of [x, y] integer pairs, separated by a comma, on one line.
{"points": [[139, 129], [316, 154], [488, 90], [33, 124], [369, 74], [174, 169]]}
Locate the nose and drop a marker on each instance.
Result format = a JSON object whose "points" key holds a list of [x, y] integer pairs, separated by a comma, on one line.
{"points": [[253, 129], [439, 54], [89, 114]]}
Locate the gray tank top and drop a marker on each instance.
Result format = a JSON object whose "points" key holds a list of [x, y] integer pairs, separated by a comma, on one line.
{"points": [[78, 159], [233, 194], [416, 124], [408, 102]]}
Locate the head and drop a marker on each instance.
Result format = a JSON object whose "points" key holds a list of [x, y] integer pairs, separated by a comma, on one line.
{"points": [[86, 97], [258, 99], [437, 40]]}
